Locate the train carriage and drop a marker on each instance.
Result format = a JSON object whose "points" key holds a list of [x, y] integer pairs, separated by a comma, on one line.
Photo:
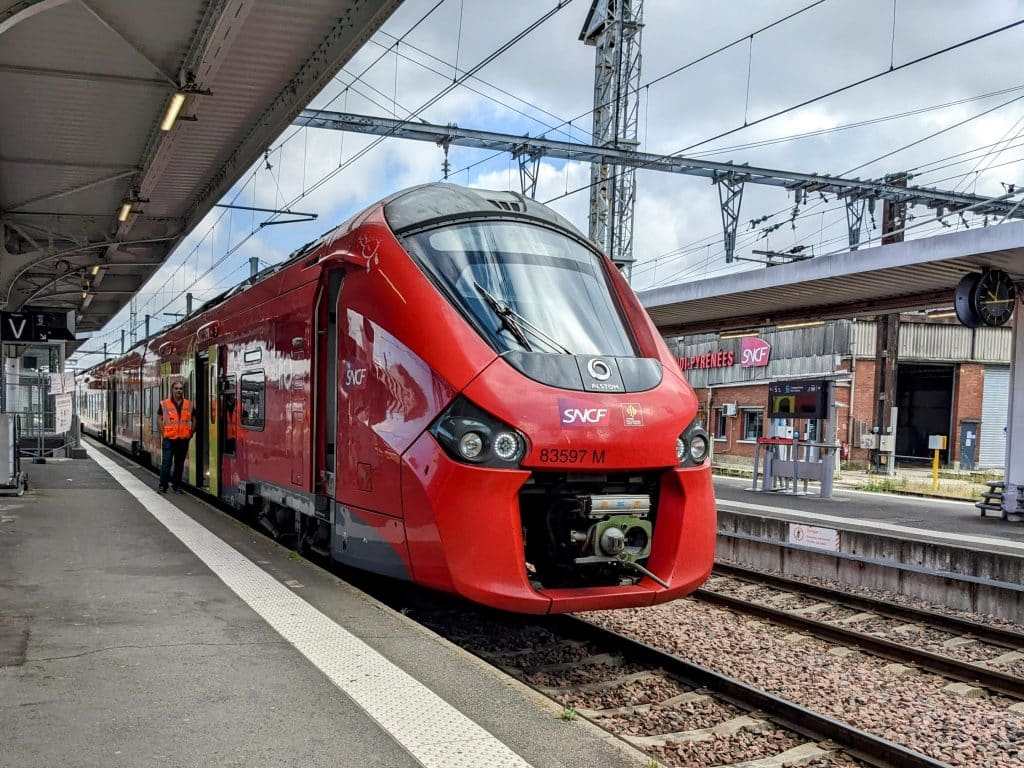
{"points": [[452, 388]]}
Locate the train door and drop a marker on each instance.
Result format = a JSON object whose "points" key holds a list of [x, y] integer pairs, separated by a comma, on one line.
{"points": [[327, 386], [227, 418], [202, 402], [110, 420], [211, 419]]}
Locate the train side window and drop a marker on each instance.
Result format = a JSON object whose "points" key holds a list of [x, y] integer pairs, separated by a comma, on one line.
{"points": [[228, 413], [253, 400], [152, 407]]}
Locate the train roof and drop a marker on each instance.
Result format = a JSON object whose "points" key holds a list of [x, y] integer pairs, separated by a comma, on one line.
{"points": [[430, 204]]}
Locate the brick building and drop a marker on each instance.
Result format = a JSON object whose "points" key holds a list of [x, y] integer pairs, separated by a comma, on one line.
{"points": [[950, 380]]}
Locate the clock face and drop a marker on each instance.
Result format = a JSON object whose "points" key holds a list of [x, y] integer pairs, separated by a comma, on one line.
{"points": [[994, 297]]}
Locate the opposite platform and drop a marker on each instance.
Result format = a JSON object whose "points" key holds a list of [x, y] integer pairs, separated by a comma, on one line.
{"points": [[138, 629], [937, 549]]}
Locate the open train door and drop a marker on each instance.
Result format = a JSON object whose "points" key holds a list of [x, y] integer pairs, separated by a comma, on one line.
{"points": [[206, 452]]}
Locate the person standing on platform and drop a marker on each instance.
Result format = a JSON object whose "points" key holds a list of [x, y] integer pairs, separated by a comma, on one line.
{"points": [[177, 426]]}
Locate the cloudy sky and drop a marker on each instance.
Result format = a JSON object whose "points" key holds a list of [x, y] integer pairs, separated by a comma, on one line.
{"points": [[954, 120]]}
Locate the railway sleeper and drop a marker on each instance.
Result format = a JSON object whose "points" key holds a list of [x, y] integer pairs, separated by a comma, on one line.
{"points": [[608, 659], [726, 728], [690, 697], [533, 649], [604, 685]]}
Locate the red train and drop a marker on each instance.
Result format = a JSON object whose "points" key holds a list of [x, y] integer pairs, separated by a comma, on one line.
{"points": [[452, 388]]}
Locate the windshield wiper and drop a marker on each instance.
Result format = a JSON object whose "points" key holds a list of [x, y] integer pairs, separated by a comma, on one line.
{"points": [[516, 323]]}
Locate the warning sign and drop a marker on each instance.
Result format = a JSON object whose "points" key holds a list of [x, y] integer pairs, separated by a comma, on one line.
{"points": [[812, 536]]}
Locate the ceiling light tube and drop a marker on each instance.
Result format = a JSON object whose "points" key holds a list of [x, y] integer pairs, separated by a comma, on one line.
{"points": [[738, 334], [941, 314], [95, 269], [122, 215], [177, 101], [807, 324]]}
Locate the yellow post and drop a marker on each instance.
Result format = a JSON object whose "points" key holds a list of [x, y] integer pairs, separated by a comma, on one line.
{"points": [[936, 443]]}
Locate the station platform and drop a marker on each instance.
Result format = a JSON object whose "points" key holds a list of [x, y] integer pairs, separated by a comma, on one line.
{"points": [[940, 550], [145, 630], [914, 517]]}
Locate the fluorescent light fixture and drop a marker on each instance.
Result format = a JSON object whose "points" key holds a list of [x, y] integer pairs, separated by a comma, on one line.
{"points": [[738, 334], [177, 101], [96, 267], [942, 314], [808, 324], [122, 215]]}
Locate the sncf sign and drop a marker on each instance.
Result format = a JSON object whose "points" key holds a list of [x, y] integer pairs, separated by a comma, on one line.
{"points": [[754, 352], [574, 413]]}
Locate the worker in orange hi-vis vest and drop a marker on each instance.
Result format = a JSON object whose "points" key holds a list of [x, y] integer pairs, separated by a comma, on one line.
{"points": [[177, 425]]}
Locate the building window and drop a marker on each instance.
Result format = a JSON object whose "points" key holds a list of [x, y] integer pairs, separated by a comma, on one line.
{"points": [[753, 423], [253, 400], [718, 423]]}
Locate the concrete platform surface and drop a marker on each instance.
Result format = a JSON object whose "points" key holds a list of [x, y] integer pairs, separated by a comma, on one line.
{"points": [[132, 636], [909, 517]]}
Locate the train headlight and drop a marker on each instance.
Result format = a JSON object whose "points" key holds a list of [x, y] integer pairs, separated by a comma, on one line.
{"points": [[507, 446], [693, 446], [471, 445], [698, 448], [469, 434], [681, 449]]}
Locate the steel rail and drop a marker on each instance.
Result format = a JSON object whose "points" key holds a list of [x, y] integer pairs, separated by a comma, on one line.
{"points": [[860, 744], [995, 635]]}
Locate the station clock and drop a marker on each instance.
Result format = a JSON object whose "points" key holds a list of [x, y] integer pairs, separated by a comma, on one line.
{"points": [[994, 297], [984, 298]]}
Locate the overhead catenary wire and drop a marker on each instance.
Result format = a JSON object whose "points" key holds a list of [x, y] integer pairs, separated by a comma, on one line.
{"points": [[833, 92], [515, 39]]}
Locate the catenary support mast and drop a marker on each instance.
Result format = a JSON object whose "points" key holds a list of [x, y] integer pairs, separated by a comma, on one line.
{"points": [[613, 27]]}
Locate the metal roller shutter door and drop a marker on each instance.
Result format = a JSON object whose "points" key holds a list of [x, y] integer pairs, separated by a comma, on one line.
{"points": [[995, 407]]}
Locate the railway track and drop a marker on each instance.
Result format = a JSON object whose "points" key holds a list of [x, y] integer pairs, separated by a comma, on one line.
{"points": [[676, 711], [985, 644]]}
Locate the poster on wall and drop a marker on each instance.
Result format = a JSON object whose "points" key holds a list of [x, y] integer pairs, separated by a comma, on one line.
{"points": [[62, 404]]}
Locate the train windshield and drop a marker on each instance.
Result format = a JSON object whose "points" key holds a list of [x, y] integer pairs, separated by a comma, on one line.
{"points": [[528, 288]]}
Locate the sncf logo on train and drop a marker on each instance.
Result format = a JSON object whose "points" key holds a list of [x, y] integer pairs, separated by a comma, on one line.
{"points": [[574, 413], [355, 375]]}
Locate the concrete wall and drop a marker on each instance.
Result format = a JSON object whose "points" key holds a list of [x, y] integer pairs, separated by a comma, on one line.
{"points": [[954, 576]]}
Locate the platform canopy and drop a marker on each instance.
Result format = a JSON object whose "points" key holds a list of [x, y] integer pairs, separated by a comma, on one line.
{"points": [[913, 275], [84, 87]]}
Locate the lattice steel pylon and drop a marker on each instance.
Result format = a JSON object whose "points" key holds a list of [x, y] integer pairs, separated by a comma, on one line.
{"points": [[613, 27]]}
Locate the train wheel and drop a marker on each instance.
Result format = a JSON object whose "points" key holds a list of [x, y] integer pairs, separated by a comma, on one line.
{"points": [[314, 539]]}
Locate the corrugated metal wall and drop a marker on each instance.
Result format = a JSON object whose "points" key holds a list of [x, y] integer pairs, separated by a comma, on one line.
{"points": [[864, 335], [928, 341], [995, 406], [933, 341], [795, 352], [992, 345]]}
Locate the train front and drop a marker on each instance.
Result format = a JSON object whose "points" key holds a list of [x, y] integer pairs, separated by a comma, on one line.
{"points": [[570, 473]]}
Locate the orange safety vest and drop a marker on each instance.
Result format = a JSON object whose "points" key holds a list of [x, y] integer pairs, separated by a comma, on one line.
{"points": [[174, 428]]}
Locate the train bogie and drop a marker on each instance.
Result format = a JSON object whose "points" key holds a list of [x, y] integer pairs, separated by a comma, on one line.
{"points": [[455, 389]]}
